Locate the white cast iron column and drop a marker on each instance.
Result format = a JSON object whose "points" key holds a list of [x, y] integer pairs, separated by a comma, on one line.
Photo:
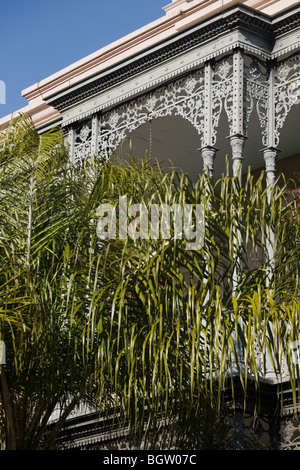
{"points": [[237, 136], [237, 142], [208, 154], [208, 151], [271, 151], [71, 144], [270, 154], [95, 134]]}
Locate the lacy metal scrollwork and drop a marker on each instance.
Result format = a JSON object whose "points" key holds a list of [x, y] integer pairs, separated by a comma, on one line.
{"points": [[82, 142], [257, 93], [274, 87], [271, 90], [287, 91], [222, 93], [290, 434], [183, 97]]}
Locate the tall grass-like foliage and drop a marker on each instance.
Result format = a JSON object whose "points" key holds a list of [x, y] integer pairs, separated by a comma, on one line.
{"points": [[142, 328], [176, 326], [39, 245]]}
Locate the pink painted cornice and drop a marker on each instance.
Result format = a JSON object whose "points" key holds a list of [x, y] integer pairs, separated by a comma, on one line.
{"points": [[179, 15]]}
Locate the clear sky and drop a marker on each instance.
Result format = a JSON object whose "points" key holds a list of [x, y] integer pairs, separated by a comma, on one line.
{"points": [[40, 37]]}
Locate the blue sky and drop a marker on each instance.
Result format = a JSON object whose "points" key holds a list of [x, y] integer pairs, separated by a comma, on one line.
{"points": [[40, 37]]}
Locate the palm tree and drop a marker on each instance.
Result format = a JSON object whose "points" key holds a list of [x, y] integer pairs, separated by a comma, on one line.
{"points": [[144, 327], [39, 249]]}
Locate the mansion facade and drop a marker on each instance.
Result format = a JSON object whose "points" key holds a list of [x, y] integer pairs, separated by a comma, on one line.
{"points": [[209, 79]]}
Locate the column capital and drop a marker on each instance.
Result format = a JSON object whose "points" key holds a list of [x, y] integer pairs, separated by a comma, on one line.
{"points": [[270, 156], [237, 142], [208, 153]]}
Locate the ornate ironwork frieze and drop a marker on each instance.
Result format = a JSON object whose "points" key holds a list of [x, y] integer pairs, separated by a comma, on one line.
{"points": [[240, 84]]}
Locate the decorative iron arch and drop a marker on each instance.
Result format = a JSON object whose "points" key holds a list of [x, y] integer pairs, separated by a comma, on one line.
{"points": [[287, 90], [184, 97]]}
